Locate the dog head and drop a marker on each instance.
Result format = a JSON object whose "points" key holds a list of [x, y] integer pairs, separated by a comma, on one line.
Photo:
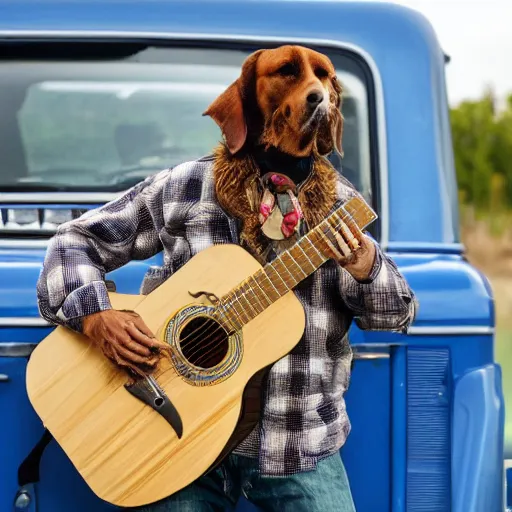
{"points": [[288, 98]]}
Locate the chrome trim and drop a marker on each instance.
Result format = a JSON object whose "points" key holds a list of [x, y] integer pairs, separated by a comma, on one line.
{"points": [[57, 197], [26, 499], [16, 349], [379, 94], [370, 355], [444, 330], [42, 220], [451, 330], [19, 321], [11, 243], [426, 247]]}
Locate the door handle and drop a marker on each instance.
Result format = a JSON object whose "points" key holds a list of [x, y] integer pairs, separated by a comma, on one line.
{"points": [[4, 377]]}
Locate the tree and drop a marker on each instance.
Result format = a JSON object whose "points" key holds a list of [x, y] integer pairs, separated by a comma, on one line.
{"points": [[482, 139]]}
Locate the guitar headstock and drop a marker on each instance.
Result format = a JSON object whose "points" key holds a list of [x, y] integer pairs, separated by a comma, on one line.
{"points": [[360, 211]]}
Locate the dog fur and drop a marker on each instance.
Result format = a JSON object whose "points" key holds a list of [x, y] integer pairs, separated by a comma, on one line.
{"points": [[269, 106]]}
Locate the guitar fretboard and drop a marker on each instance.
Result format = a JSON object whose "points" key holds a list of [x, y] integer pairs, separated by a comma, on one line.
{"points": [[292, 266]]}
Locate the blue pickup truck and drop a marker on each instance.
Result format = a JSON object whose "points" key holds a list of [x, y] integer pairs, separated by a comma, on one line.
{"points": [[95, 96]]}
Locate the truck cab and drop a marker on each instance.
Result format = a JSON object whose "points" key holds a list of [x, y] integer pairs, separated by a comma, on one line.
{"points": [[96, 96]]}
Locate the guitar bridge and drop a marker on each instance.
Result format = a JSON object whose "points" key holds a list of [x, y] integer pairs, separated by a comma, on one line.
{"points": [[149, 392]]}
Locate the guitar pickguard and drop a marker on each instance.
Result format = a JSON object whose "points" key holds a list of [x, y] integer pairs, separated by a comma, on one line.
{"points": [[148, 391]]}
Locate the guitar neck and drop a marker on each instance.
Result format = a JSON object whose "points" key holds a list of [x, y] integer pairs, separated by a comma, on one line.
{"points": [[292, 266]]}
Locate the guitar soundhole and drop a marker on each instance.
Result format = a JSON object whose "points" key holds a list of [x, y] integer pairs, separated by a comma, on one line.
{"points": [[203, 342]]}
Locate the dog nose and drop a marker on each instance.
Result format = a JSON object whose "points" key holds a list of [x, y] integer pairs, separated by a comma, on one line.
{"points": [[314, 98]]}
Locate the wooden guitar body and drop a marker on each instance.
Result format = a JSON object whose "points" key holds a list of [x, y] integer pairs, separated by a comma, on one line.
{"points": [[125, 450]]}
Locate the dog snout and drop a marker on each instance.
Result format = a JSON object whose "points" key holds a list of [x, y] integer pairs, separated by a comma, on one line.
{"points": [[314, 98]]}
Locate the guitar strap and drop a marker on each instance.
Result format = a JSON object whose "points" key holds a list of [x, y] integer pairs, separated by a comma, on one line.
{"points": [[28, 470]]}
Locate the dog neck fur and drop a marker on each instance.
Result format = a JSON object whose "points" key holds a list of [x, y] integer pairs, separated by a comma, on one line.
{"points": [[231, 174]]}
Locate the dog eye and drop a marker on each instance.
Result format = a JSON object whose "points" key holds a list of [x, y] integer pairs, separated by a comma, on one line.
{"points": [[321, 73], [287, 70]]}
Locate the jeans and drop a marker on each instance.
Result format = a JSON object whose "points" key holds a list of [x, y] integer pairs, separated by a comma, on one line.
{"points": [[325, 489]]}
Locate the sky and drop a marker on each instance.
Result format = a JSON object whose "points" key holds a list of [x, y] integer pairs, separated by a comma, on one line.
{"points": [[477, 35]]}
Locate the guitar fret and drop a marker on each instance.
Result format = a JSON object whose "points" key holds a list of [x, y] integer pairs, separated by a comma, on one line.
{"points": [[232, 308], [255, 293], [260, 290], [243, 297], [242, 312], [320, 255], [289, 254], [234, 320], [325, 229], [332, 222], [270, 265], [346, 220], [262, 274], [272, 284], [226, 308], [244, 302], [313, 267], [280, 260], [250, 295], [255, 279], [338, 216], [325, 239]]}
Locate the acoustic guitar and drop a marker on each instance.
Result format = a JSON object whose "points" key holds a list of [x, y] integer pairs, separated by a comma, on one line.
{"points": [[227, 319]]}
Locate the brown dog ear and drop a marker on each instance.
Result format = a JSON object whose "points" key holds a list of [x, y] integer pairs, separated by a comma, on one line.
{"points": [[228, 112], [330, 138], [228, 109], [337, 129], [338, 134]]}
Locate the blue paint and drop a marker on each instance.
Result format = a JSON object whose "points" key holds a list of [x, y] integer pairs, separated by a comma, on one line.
{"points": [[367, 458], [389, 401], [61, 489], [509, 488], [450, 291], [477, 458], [399, 429], [418, 149], [19, 271], [428, 430]]}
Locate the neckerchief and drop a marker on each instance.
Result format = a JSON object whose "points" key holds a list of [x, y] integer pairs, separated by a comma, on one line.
{"points": [[274, 194], [280, 213], [239, 189]]}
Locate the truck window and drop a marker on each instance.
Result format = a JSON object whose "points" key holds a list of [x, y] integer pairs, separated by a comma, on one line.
{"points": [[105, 120]]}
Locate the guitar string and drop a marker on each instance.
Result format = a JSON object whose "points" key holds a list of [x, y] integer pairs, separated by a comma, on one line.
{"points": [[218, 328], [199, 342], [341, 217], [322, 259], [227, 307]]}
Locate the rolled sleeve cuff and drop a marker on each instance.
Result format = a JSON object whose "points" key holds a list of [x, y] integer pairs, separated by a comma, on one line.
{"points": [[377, 265], [86, 300]]}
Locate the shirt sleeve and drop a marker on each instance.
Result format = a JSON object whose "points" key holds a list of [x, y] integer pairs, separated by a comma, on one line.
{"points": [[384, 301], [72, 281]]}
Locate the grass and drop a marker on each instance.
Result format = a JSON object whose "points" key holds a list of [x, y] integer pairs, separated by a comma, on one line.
{"points": [[491, 252], [504, 358]]}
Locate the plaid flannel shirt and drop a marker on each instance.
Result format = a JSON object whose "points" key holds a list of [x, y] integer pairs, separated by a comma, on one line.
{"points": [[304, 417]]}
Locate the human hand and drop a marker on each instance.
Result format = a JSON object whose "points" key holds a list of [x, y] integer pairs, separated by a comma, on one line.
{"points": [[359, 263], [354, 251], [124, 338]]}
